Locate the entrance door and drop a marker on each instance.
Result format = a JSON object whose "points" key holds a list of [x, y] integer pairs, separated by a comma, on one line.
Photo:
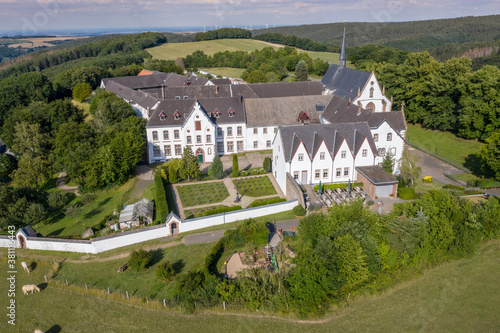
{"points": [[22, 244], [304, 177], [200, 154], [173, 228]]}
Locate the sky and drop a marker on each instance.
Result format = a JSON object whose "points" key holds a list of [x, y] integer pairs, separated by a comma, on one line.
{"points": [[34, 16]]}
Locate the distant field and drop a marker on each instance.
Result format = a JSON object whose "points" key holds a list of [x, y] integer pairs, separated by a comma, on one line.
{"points": [[444, 144], [225, 71], [459, 296], [172, 51], [37, 42]]}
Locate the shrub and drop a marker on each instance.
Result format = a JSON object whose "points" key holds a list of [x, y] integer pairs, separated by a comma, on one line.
{"points": [[370, 203], [267, 164], [140, 259], [82, 91], [210, 266], [218, 211], [264, 202], [165, 271], [235, 165], [299, 210], [57, 200], [334, 186], [454, 187], [406, 193], [427, 179]]}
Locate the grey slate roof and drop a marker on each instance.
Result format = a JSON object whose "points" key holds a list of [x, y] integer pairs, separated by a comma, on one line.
{"points": [[130, 95], [340, 111], [376, 175], [344, 81], [333, 135], [283, 110], [28, 231], [221, 81], [283, 89], [185, 106]]}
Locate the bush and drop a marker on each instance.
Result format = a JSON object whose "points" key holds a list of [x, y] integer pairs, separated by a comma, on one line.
{"points": [[210, 266], [235, 166], [454, 187], [267, 164], [140, 259], [334, 186], [299, 210], [406, 193], [160, 198], [218, 211], [165, 271], [427, 179], [57, 200], [82, 91], [264, 202]]}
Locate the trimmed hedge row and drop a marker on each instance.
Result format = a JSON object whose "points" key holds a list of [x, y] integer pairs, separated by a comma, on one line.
{"points": [[218, 211], [210, 266], [160, 198], [264, 202], [334, 186]]}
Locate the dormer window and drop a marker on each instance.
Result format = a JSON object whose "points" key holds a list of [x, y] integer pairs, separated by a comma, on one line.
{"points": [[177, 115], [217, 113], [231, 112], [304, 117], [163, 116]]}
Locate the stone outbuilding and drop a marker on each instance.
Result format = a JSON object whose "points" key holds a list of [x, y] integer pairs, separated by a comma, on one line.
{"points": [[377, 183]]}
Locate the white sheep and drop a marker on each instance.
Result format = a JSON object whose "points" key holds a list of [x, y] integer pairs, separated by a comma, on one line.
{"points": [[30, 287]]}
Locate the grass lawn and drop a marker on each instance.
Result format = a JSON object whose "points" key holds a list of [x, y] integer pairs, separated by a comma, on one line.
{"points": [[225, 71], [420, 186], [190, 213], [255, 186], [106, 201], [202, 194], [459, 296], [444, 144], [144, 283]]}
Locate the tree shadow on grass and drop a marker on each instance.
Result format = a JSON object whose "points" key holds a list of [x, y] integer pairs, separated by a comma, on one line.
{"points": [[178, 266], [56, 232], [93, 212], [54, 329], [157, 257], [473, 163], [105, 201]]}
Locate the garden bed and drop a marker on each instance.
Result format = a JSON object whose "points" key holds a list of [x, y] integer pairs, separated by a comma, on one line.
{"points": [[202, 194], [255, 186]]}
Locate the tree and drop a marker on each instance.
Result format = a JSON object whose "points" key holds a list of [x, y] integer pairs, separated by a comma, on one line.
{"points": [[388, 163], [29, 139], [174, 166], [140, 259], [351, 261], [190, 166], [409, 170], [216, 170], [490, 156], [57, 200], [236, 170], [301, 73], [88, 199], [82, 91], [267, 165], [32, 171], [165, 271], [72, 211], [5, 164], [34, 214], [256, 76]]}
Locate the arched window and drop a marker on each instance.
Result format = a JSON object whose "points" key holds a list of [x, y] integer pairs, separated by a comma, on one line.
{"points": [[370, 107], [371, 92]]}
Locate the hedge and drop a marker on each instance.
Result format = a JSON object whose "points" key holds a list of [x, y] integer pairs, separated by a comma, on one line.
{"points": [[218, 211], [334, 186], [160, 198], [485, 183], [210, 266], [454, 187], [299, 210], [406, 193], [264, 202]]}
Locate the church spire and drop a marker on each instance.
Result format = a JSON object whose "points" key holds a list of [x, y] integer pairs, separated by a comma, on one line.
{"points": [[342, 58]]}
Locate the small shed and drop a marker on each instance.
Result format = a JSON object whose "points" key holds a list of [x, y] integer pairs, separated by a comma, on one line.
{"points": [[377, 183], [137, 214], [23, 234]]}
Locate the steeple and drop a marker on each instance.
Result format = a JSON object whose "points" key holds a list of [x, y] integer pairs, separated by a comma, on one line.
{"points": [[342, 58]]}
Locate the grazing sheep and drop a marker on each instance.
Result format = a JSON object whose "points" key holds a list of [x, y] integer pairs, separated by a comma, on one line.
{"points": [[30, 287], [25, 266]]}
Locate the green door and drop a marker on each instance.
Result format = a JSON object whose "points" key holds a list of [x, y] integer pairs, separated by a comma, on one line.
{"points": [[200, 158]]}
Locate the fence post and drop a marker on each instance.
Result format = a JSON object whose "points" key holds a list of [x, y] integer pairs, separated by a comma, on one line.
{"points": [[224, 304], [108, 290], [147, 300], [86, 288], [127, 294], [45, 276], [66, 282], [164, 303], [54, 261]]}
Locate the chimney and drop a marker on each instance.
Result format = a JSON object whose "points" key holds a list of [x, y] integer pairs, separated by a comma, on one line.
{"points": [[383, 89], [216, 90], [240, 99], [162, 92], [149, 113], [359, 110], [402, 106], [349, 103], [359, 92], [392, 99]]}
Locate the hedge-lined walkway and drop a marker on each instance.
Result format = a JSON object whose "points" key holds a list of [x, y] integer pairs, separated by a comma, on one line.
{"points": [[245, 201]]}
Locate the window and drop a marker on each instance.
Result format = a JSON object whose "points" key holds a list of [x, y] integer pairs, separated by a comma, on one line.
{"points": [[239, 145], [167, 150], [230, 131], [177, 97], [317, 174], [343, 153], [255, 131], [219, 132], [276, 160], [231, 112], [325, 173], [198, 139], [256, 144], [188, 139], [197, 125], [155, 135], [156, 151], [275, 130], [393, 151], [217, 113], [176, 134], [268, 143], [264, 130], [346, 172], [185, 97], [209, 151], [296, 175], [371, 92], [165, 135], [230, 146], [389, 136], [321, 156], [239, 131], [338, 172], [301, 157], [380, 165], [220, 147], [364, 152], [178, 150], [209, 138], [375, 137], [381, 152]]}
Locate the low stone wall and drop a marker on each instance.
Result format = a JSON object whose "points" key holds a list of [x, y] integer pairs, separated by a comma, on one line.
{"points": [[293, 190]]}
